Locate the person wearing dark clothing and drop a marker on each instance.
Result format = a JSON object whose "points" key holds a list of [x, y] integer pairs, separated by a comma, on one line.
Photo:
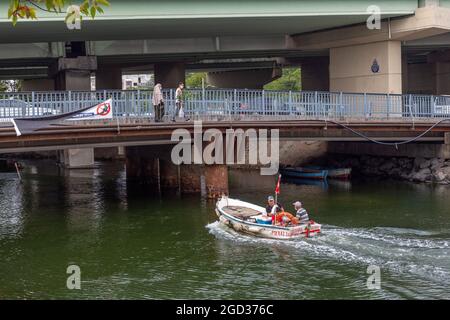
{"points": [[273, 207]]}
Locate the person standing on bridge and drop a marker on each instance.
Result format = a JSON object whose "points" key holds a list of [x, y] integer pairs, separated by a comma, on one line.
{"points": [[179, 102], [158, 102]]}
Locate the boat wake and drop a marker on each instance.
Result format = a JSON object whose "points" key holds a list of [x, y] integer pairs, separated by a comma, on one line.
{"points": [[417, 253]]}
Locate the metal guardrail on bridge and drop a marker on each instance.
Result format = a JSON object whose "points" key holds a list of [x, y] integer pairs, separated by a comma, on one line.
{"points": [[219, 103]]}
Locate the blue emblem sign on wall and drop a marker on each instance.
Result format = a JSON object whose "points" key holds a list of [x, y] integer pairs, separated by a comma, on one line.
{"points": [[375, 66]]}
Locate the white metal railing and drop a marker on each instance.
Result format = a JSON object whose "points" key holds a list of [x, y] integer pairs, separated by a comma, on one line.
{"points": [[226, 102]]}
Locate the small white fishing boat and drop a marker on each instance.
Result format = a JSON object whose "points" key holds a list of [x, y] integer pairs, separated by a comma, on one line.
{"points": [[248, 218]]}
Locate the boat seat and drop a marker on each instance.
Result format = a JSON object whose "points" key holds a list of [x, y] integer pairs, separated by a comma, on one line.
{"points": [[240, 212]]}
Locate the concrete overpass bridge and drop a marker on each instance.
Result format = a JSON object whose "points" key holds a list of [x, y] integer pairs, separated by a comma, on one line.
{"points": [[241, 44], [396, 76]]}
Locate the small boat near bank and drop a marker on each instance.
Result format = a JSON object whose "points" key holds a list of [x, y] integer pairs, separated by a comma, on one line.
{"points": [[317, 173], [247, 218], [304, 173], [335, 173]]}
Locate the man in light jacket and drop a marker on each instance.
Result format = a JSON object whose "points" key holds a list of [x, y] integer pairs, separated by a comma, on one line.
{"points": [[158, 102]]}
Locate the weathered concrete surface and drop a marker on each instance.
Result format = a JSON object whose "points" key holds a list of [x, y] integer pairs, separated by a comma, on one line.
{"points": [[412, 150], [216, 180], [295, 153], [111, 153], [169, 174], [141, 165], [315, 74], [190, 178], [77, 158], [169, 74], [149, 165]]}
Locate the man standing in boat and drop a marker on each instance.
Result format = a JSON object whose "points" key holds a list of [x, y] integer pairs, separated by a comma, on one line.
{"points": [[272, 207]]}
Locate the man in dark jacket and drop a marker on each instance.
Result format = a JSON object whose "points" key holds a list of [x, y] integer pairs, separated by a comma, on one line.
{"points": [[273, 208]]}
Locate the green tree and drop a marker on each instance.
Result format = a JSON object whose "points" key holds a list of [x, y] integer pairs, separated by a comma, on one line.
{"points": [[10, 85], [194, 80], [27, 9], [3, 86], [290, 80]]}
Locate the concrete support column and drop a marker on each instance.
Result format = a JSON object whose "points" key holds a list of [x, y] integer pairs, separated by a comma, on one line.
{"points": [[428, 78], [170, 174], [442, 76], [108, 78], [420, 78], [109, 153], [74, 73], [216, 180], [244, 79], [371, 68], [190, 178], [77, 158], [316, 74], [209, 180], [169, 74], [38, 85], [142, 165]]}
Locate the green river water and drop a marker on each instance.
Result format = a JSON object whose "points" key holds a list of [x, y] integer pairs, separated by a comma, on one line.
{"points": [[131, 243]]}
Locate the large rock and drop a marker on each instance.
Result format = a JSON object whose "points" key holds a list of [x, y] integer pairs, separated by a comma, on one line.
{"points": [[442, 174], [422, 175], [387, 166], [436, 163], [418, 162], [425, 164], [439, 176]]}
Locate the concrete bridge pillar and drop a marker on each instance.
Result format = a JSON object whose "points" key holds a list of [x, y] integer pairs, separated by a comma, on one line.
{"points": [[108, 78], [74, 73], [244, 79], [145, 164], [77, 158], [169, 175], [169, 74], [216, 180], [316, 74], [371, 68], [141, 165], [210, 181], [427, 78], [442, 74]]}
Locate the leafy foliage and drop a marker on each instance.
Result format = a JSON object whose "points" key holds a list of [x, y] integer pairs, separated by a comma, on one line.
{"points": [[27, 9], [3, 86], [194, 80], [291, 80], [10, 85]]}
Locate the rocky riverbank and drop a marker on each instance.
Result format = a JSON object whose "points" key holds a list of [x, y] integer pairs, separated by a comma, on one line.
{"points": [[434, 170]]}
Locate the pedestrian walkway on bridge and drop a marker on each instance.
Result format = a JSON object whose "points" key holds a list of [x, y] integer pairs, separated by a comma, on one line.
{"points": [[212, 104]]}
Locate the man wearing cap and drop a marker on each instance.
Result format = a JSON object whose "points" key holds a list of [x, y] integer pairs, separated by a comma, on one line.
{"points": [[273, 208], [301, 212]]}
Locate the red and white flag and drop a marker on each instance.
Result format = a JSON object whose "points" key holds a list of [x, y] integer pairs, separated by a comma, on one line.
{"points": [[277, 189]]}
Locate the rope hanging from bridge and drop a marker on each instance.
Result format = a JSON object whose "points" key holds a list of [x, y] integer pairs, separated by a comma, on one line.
{"points": [[395, 144]]}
